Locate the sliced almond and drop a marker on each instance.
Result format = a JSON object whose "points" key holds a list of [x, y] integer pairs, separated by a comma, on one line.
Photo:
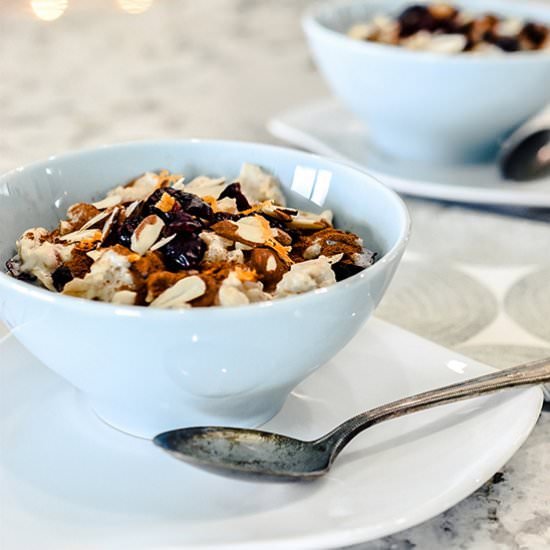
{"points": [[179, 295], [96, 219], [108, 202], [278, 212], [109, 224], [179, 185], [146, 234], [79, 236], [306, 220], [227, 204], [130, 208], [282, 251], [254, 229], [162, 242]]}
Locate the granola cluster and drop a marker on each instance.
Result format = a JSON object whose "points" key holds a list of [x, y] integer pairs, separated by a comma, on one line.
{"points": [[164, 243], [446, 29]]}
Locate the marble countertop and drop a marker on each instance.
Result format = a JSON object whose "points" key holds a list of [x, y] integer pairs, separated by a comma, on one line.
{"points": [[472, 280]]}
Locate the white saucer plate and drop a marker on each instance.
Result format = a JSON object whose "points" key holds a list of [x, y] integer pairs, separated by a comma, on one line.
{"points": [[70, 482], [327, 128]]}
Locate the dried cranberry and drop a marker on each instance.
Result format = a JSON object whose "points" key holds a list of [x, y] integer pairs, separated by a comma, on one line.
{"points": [[183, 253], [506, 43], [447, 26], [60, 277], [416, 18], [178, 221], [192, 204], [535, 33], [343, 270], [233, 191]]}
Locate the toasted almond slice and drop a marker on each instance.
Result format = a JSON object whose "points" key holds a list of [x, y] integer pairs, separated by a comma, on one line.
{"points": [[179, 185], [166, 203], [108, 202], [254, 229], [109, 223], [130, 208], [306, 220], [162, 242], [95, 219], [78, 236], [146, 234], [278, 212], [181, 293], [124, 297], [282, 251], [226, 204]]}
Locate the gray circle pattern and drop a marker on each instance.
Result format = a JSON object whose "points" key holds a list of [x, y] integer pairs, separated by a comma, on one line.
{"points": [[528, 303], [439, 303]]}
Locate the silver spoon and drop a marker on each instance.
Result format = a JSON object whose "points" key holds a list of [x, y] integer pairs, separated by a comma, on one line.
{"points": [[278, 456], [526, 157]]}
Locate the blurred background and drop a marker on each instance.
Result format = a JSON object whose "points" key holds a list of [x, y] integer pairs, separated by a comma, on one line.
{"points": [[78, 73]]}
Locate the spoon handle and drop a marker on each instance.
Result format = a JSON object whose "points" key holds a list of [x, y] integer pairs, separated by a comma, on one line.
{"points": [[536, 372]]}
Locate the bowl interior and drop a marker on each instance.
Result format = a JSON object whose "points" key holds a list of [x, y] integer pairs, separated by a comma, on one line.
{"points": [[340, 16], [39, 194]]}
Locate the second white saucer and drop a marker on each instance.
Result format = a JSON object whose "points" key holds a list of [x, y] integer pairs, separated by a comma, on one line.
{"points": [[327, 128]]}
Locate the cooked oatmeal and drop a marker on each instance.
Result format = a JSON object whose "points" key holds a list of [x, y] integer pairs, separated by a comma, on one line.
{"points": [[162, 242]]}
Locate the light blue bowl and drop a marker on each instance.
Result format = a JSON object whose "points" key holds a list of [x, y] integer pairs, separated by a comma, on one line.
{"points": [[145, 370], [428, 106]]}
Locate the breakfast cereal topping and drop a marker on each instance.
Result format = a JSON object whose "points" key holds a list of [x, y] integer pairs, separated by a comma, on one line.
{"points": [[443, 28], [160, 242]]}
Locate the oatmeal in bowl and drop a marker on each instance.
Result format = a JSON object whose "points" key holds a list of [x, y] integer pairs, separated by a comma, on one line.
{"points": [[161, 242], [169, 298]]}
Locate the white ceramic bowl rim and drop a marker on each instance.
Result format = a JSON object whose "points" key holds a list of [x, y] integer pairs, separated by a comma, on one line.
{"points": [[96, 307], [311, 22]]}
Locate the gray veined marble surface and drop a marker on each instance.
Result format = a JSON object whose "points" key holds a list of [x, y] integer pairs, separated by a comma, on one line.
{"points": [[474, 281]]}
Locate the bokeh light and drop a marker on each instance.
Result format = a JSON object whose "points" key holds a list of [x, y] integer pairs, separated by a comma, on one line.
{"points": [[135, 6], [49, 10]]}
